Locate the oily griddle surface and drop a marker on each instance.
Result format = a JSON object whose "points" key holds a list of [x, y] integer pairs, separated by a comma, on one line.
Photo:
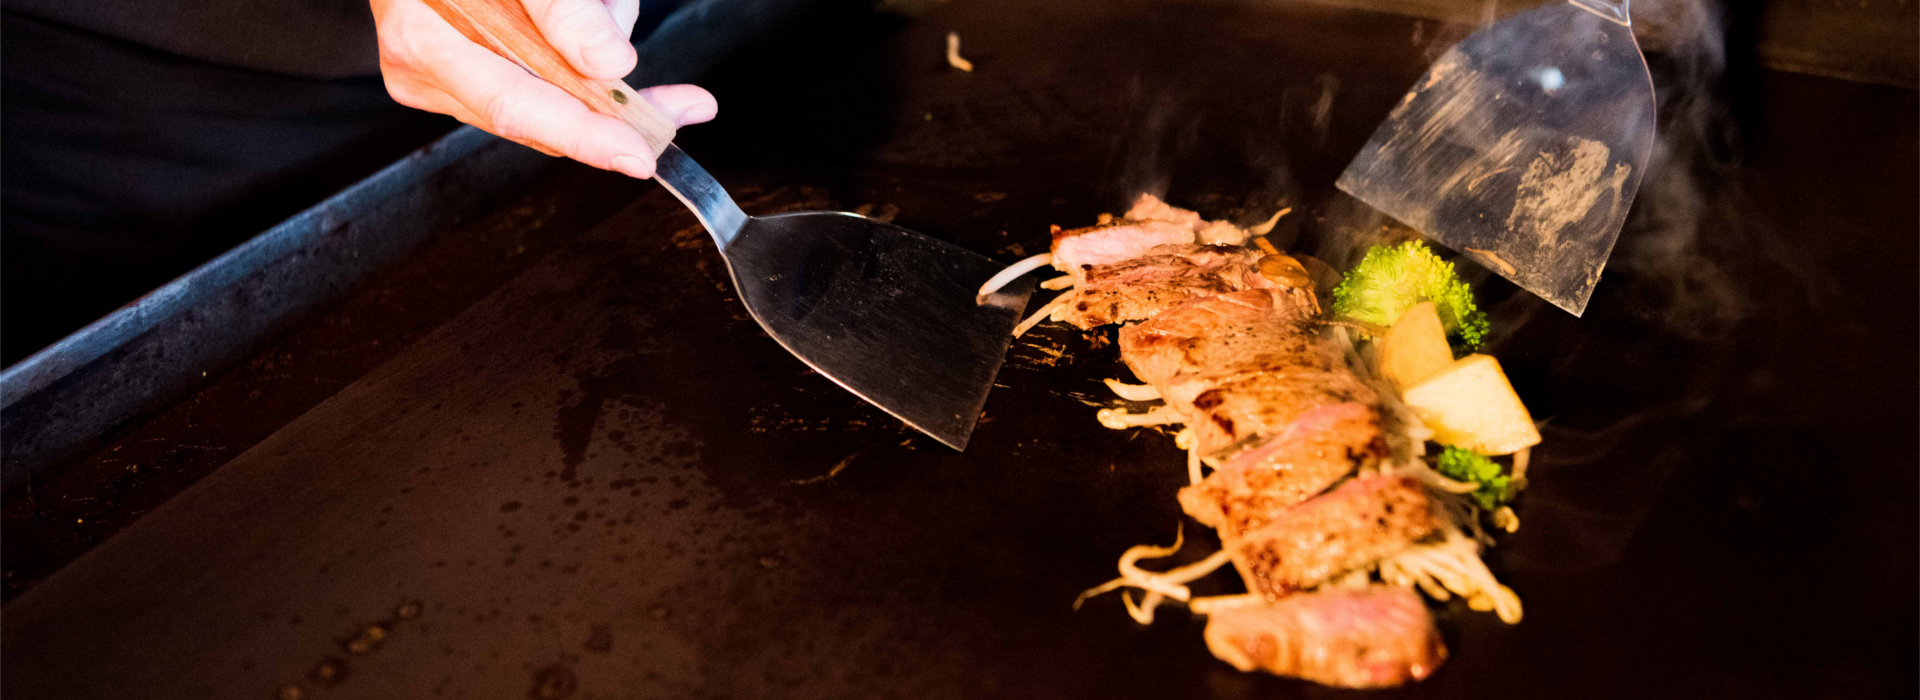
{"points": [[602, 481]]}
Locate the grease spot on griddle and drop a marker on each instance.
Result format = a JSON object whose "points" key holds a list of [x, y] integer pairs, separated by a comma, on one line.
{"points": [[600, 639], [329, 671], [365, 640], [553, 682]]}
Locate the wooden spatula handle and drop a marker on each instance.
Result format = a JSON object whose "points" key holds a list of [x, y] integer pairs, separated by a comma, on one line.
{"points": [[505, 27]]}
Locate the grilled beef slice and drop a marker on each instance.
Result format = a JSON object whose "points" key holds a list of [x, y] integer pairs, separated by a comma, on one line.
{"points": [[1165, 276], [1230, 409], [1240, 365], [1078, 250], [1256, 485], [1218, 333], [1374, 637], [1361, 522]]}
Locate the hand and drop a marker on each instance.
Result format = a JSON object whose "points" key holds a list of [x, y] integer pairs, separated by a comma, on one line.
{"points": [[430, 65]]}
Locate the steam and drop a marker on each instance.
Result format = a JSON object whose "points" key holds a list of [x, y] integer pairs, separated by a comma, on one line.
{"points": [[1155, 135], [1661, 247], [1673, 271]]}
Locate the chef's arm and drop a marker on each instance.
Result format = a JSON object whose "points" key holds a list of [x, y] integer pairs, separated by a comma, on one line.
{"points": [[430, 65]]}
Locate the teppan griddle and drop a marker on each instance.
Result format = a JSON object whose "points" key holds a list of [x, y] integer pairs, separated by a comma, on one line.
{"points": [[600, 481]]}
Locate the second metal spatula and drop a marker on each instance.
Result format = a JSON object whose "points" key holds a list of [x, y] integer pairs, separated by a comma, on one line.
{"points": [[885, 312], [1522, 147]]}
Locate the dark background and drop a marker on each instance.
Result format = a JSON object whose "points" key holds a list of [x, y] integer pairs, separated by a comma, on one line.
{"points": [[1723, 507]]}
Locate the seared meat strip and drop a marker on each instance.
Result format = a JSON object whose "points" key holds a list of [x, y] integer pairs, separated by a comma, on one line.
{"points": [[1239, 365], [1165, 276], [1321, 446], [1216, 333], [1078, 250], [1374, 637], [1359, 523], [1231, 408]]}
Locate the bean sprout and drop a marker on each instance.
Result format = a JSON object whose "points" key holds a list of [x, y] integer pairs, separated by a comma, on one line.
{"points": [[1193, 460], [1011, 273], [1133, 392], [1041, 315], [953, 53], [1265, 227], [1156, 586], [1505, 519], [1453, 566]]}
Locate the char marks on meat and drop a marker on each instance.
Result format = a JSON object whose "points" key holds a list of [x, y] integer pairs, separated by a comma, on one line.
{"points": [[1363, 521], [1167, 275], [1214, 333], [1231, 408], [1240, 365], [1320, 447], [1374, 637]]}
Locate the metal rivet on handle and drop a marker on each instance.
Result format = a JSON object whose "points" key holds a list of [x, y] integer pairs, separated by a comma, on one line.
{"points": [[618, 96]]}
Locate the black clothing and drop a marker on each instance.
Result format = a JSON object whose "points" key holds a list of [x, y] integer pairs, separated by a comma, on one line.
{"points": [[125, 166], [302, 38]]}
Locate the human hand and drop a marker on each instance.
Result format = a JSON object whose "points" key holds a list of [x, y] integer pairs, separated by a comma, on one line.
{"points": [[429, 65]]}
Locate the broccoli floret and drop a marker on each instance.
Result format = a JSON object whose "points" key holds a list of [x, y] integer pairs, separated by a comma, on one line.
{"points": [[1392, 279], [1495, 490]]}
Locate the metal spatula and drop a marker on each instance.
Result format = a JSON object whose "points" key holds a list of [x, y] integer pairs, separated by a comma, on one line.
{"points": [[1522, 147], [885, 312]]}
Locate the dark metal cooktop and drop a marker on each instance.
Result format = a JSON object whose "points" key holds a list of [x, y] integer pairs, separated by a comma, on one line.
{"points": [[577, 469]]}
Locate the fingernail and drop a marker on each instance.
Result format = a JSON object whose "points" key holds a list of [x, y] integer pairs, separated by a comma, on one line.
{"points": [[698, 112], [632, 167], [604, 51]]}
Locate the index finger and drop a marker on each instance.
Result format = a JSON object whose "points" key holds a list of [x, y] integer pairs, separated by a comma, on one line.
{"points": [[588, 34]]}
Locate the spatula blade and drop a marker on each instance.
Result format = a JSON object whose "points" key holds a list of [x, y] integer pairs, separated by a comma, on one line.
{"points": [[1522, 147], [885, 312]]}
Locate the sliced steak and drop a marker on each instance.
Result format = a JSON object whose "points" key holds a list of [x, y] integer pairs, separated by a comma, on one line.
{"points": [[1081, 249], [1241, 365], [1361, 522], [1374, 637], [1136, 289], [1232, 408], [1321, 446], [1213, 333]]}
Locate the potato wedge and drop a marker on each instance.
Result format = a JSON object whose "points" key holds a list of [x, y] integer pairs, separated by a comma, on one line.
{"points": [[1470, 404], [1415, 347]]}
